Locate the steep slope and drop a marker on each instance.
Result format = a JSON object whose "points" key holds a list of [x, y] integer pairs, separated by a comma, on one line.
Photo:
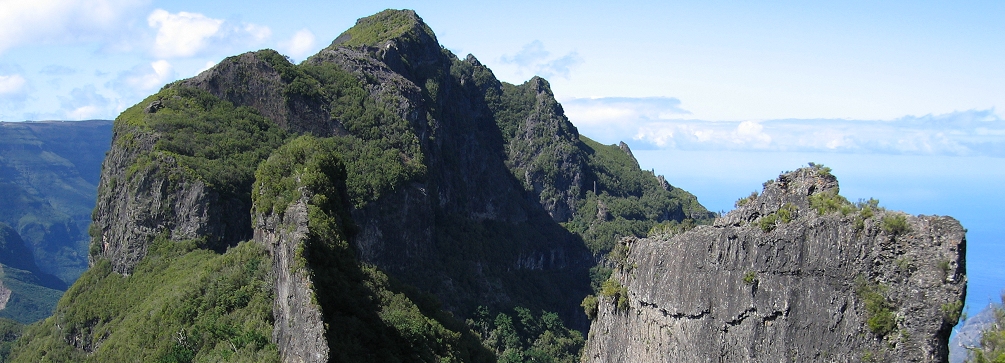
{"points": [[329, 306], [451, 199], [457, 179], [794, 274], [48, 181]]}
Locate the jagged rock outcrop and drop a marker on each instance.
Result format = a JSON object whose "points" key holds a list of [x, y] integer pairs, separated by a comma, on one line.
{"points": [[299, 330], [144, 194], [796, 274], [461, 171], [457, 181]]}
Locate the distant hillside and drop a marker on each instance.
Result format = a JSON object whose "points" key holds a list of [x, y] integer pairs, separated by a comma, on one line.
{"points": [[969, 333], [48, 184], [26, 294]]}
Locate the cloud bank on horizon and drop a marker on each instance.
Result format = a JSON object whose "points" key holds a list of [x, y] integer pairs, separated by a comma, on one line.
{"points": [[661, 123]]}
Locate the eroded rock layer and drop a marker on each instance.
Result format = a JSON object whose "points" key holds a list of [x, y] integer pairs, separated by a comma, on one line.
{"points": [[796, 274]]}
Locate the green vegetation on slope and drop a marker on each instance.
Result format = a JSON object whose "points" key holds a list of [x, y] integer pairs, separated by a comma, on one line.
{"points": [[33, 294], [525, 337], [209, 138], [10, 330], [628, 201], [30, 299], [368, 316], [181, 304], [380, 27], [381, 150]]}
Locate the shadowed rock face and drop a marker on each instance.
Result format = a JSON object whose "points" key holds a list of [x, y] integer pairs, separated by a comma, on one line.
{"points": [[799, 292]]}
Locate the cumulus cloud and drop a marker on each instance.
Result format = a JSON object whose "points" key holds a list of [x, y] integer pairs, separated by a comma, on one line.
{"points": [[85, 103], [62, 21], [144, 78], [300, 44], [534, 58], [186, 34], [182, 34], [14, 90], [12, 85]]}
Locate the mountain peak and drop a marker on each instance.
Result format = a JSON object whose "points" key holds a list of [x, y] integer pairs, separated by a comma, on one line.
{"points": [[386, 25]]}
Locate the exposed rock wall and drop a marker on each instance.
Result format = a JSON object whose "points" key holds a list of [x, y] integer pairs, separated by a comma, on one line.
{"points": [[140, 200], [299, 330], [800, 292]]}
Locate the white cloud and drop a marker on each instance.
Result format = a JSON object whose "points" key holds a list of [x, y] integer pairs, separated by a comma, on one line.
{"points": [[85, 103], [182, 34], [144, 78], [11, 85], [660, 123], [57, 70], [258, 33], [593, 111], [186, 34], [62, 21], [534, 58], [300, 44], [959, 133]]}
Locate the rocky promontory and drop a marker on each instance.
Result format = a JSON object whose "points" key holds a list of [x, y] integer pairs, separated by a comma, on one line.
{"points": [[795, 274]]}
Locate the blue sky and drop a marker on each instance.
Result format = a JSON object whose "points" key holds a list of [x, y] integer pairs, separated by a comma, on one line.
{"points": [[905, 99]]}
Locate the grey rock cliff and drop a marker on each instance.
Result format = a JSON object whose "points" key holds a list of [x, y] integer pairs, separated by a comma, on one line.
{"points": [[138, 201], [299, 330], [732, 292]]}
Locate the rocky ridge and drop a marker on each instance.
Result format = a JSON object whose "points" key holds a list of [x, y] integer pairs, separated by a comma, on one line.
{"points": [[793, 274]]}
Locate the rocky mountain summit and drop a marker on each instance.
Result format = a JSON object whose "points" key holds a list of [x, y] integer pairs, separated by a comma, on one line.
{"points": [[795, 274], [431, 193]]}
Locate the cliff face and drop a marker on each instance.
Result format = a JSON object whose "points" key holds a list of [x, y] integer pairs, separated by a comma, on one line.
{"points": [[181, 166], [299, 327], [328, 306], [795, 274]]}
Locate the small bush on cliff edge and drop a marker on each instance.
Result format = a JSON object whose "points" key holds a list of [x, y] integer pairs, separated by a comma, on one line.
{"points": [[895, 225], [590, 306], [618, 293]]}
